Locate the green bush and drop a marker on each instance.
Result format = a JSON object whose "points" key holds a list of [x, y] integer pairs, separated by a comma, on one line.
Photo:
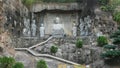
{"points": [[101, 40], [116, 17], [41, 64], [116, 37], [28, 3], [59, 1], [6, 62], [109, 46], [54, 49], [111, 54], [79, 43], [18, 65], [103, 2], [116, 41], [107, 8]]}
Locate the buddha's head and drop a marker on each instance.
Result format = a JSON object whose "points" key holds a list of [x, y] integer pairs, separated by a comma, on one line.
{"points": [[57, 20]]}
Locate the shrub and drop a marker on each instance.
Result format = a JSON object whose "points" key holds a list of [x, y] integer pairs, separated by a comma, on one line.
{"points": [[59, 1], [41, 64], [109, 46], [116, 37], [6, 62], [107, 8], [111, 54], [103, 2], [79, 43], [116, 40], [101, 40], [18, 65], [54, 49], [28, 3], [116, 17]]}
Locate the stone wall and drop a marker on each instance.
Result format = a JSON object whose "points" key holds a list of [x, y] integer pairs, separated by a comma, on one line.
{"points": [[38, 7]]}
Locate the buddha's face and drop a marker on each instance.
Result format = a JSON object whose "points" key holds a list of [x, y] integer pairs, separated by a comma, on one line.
{"points": [[33, 21], [57, 20], [41, 25]]}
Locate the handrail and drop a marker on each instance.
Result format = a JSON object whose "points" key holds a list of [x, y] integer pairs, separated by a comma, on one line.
{"points": [[40, 43], [44, 55]]}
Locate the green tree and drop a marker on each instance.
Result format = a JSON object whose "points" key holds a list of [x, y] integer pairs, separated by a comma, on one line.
{"points": [[18, 65], [79, 43], [116, 17], [6, 62], [41, 64], [113, 51], [116, 37], [59, 1], [28, 3], [104, 2], [101, 41], [54, 49]]}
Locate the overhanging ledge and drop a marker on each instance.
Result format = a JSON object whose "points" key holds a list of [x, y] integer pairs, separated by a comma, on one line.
{"points": [[38, 7]]}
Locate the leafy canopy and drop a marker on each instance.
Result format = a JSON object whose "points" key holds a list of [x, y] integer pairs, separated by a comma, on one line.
{"points": [[41, 64], [79, 43], [54, 49]]}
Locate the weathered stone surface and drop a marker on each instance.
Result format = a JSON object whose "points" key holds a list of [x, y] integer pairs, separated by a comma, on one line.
{"points": [[6, 50], [13, 10], [56, 6], [104, 22], [88, 54]]}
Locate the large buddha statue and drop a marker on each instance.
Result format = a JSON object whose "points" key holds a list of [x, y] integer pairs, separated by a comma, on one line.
{"points": [[57, 30], [57, 25]]}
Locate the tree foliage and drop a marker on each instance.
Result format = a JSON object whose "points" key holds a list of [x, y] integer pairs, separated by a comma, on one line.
{"points": [[59, 1], [54, 49], [109, 46], [6, 62], [116, 37], [113, 51], [116, 17], [41, 64], [79, 43], [111, 54], [28, 3], [109, 5], [101, 40], [104, 2], [18, 65]]}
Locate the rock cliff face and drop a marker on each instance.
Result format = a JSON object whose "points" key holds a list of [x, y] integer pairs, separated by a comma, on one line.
{"points": [[11, 13], [5, 40], [56, 6]]}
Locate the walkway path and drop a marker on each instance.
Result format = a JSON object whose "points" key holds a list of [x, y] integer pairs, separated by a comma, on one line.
{"points": [[44, 55]]}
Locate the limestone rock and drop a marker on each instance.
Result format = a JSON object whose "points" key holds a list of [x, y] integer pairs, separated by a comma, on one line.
{"points": [[53, 6]]}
